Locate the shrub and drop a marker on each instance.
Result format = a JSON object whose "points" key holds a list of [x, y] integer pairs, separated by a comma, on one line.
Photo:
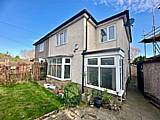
{"points": [[72, 95], [106, 97]]}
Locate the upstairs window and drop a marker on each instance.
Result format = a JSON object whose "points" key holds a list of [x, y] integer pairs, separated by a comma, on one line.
{"points": [[108, 33], [41, 47], [62, 38]]}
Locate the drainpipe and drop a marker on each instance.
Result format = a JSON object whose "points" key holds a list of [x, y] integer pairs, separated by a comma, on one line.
{"points": [[129, 60], [83, 54]]}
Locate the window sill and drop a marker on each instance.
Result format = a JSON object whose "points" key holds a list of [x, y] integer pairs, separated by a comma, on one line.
{"points": [[109, 90], [61, 45], [41, 51], [58, 78], [108, 41]]}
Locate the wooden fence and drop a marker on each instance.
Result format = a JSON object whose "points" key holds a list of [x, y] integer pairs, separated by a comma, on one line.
{"points": [[133, 70], [15, 72], [151, 70], [18, 72], [39, 70]]}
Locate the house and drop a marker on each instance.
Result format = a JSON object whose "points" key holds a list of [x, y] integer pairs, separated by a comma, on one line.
{"points": [[4, 58], [90, 53]]}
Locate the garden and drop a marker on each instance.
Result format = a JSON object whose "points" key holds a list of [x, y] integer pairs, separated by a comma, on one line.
{"points": [[27, 101]]}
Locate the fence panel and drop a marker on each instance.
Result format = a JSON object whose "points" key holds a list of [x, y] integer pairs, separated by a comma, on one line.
{"points": [[39, 70], [15, 72], [152, 79]]}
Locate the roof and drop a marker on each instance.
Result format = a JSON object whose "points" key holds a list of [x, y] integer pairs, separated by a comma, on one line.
{"points": [[126, 12], [151, 39], [104, 50]]}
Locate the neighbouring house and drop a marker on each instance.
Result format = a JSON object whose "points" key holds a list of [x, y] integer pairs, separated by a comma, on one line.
{"points": [[4, 58], [90, 53]]}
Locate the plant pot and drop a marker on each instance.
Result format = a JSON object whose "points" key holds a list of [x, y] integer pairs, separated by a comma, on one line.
{"points": [[97, 102], [106, 105]]}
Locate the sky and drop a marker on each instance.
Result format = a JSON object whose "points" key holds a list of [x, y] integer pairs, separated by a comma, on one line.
{"points": [[22, 22]]}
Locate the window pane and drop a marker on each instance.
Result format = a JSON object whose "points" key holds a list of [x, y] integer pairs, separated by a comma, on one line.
{"points": [[53, 67], [54, 61], [104, 35], [49, 69], [107, 61], [58, 39], [67, 71], [92, 61], [92, 76], [65, 36], [108, 78], [111, 32], [41, 47], [67, 60], [62, 38], [120, 69], [59, 60], [59, 69]]}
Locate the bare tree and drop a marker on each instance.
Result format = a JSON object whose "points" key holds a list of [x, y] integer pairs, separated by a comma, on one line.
{"points": [[27, 54]]}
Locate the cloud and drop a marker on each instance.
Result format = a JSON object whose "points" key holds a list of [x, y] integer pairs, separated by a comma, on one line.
{"points": [[133, 5]]}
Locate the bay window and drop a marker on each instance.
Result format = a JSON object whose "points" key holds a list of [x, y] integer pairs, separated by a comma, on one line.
{"points": [[101, 72], [59, 67]]}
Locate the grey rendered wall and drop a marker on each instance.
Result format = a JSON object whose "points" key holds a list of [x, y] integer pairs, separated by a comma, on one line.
{"points": [[75, 35]]}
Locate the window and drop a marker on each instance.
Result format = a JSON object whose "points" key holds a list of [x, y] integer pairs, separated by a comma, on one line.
{"points": [[111, 32], [107, 61], [59, 67], [41, 47], [67, 60], [104, 34], [61, 38], [101, 72], [92, 76], [108, 33], [108, 78], [92, 61], [121, 72], [67, 71]]}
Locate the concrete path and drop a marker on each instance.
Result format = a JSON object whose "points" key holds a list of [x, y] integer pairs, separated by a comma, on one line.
{"points": [[136, 107]]}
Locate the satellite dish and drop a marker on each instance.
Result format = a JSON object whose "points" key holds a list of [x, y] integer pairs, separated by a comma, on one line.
{"points": [[129, 22]]}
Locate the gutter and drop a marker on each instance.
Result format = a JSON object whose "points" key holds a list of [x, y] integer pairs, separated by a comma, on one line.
{"points": [[84, 55]]}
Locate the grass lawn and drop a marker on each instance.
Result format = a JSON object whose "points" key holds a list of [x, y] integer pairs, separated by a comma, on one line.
{"points": [[26, 101]]}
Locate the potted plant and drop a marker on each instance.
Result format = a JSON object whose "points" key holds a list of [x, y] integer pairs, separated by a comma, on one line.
{"points": [[96, 98], [106, 99], [98, 101]]}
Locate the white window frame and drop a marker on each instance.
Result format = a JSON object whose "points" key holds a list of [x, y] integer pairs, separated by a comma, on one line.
{"points": [[100, 66], [116, 66], [63, 40], [41, 47], [108, 40], [62, 68]]}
